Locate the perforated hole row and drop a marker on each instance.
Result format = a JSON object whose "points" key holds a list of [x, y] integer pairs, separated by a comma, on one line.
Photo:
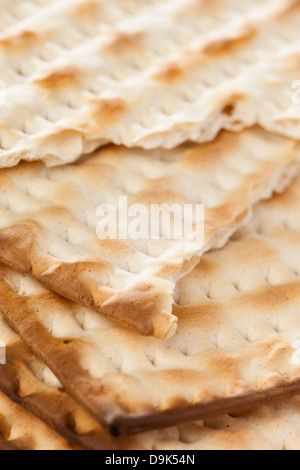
{"points": [[129, 55], [71, 232], [212, 337]]}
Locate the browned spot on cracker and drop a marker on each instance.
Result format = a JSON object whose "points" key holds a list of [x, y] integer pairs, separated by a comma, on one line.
{"points": [[86, 11], [70, 140], [61, 78], [56, 279], [126, 306], [289, 7], [271, 297], [17, 243], [5, 183], [228, 46], [122, 42], [23, 40], [158, 191], [209, 154], [108, 110], [169, 73], [229, 106], [229, 109], [285, 199]]}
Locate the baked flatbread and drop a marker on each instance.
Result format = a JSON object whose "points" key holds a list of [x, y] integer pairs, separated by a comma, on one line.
{"points": [[237, 343], [20, 430], [49, 222], [269, 427], [30, 383], [78, 74]]}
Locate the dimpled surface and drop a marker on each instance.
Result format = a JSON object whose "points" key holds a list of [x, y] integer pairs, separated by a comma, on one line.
{"points": [[151, 73], [233, 349], [48, 219], [29, 382]]}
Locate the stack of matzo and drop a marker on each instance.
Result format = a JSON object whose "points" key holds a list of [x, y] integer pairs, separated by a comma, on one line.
{"points": [[152, 344]]}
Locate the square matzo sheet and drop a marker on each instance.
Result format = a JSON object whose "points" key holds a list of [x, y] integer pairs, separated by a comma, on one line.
{"points": [[31, 384], [48, 219], [154, 73], [21, 430], [237, 343], [27, 381]]}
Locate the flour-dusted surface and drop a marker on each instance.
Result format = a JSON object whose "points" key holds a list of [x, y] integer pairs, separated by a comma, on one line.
{"points": [[81, 73], [48, 219], [233, 349]]}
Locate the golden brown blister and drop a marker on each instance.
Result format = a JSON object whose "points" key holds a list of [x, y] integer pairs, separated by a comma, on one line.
{"points": [[48, 219], [82, 73]]}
